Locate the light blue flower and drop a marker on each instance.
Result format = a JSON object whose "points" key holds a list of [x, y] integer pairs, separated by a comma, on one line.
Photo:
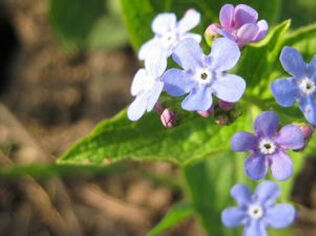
{"points": [[300, 87], [169, 32], [203, 76], [257, 212], [147, 86]]}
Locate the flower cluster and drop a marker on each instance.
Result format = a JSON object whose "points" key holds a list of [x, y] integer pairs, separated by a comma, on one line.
{"points": [[203, 79]]}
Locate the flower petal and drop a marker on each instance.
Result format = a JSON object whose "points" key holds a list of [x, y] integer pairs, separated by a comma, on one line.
{"points": [[285, 91], [224, 55], [188, 54], [196, 37], [290, 137], [311, 68], [256, 166], [267, 192], [242, 194], [244, 14], [233, 216], [263, 28], [138, 81], [147, 48], [255, 228], [226, 15], [308, 107], [138, 107], [229, 88], [281, 166], [246, 34], [266, 124], [280, 215], [156, 62], [178, 82], [163, 23], [154, 95], [190, 19], [243, 142], [200, 99], [292, 62]]}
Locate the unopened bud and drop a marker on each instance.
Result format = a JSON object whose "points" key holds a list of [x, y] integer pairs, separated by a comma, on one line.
{"points": [[307, 131], [222, 119], [210, 33], [168, 118], [207, 113], [158, 108], [225, 106]]}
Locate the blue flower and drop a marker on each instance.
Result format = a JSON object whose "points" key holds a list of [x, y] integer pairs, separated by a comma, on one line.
{"points": [[203, 76], [257, 212], [268, 147], [147, 86], [169, 32], [300, 87]]}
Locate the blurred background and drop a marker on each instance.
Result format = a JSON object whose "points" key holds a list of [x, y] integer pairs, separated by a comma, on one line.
{"points": [[65, 66]]}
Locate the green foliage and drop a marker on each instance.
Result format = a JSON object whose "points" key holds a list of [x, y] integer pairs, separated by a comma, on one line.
{"points": [[175, 215], [80, 25]]}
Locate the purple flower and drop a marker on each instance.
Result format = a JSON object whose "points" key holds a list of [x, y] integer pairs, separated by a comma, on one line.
{"points": [[169, 32], [300, 87], [257, 212], [239, 24], [268, 147], [203, 76], [147, 86]]}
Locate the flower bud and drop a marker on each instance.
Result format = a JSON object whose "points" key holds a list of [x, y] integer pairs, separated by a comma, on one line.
{"points": [[207, 113], [158, 108], [222, 119], [225, 106], [307, 131], [168, 118]]}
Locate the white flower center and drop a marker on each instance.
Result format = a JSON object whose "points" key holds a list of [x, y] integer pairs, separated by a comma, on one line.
{"points": [[307, 86], [169, 38], [267, 146], [255, 211], [203, 76]]}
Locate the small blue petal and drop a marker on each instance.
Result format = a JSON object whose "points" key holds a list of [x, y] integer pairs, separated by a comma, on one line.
{"points": [[138, 107], [267, 192], [285, 91], [156, 62], [178, 82], [256, 166], [188, 54], [154, 95], [242, 194], [255, 228], [308, 107], [200, 99], [280, 215], [224, 55], [147, 47], [311, 68], [164, 23], [281, 166], [290, 137], [267, 124], [229, 88], [233, 216], [293, 62], [243, 142]]}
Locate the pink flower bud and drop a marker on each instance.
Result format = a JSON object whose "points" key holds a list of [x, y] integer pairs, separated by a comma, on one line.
{"points": [[158, 108], [225, 106], [211, 30], [307, 131], [168, 118], [207, 113]]}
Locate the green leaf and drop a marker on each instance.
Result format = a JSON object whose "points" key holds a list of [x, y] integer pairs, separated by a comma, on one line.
{"points": [[120, 139], [80, 25], [175, 215], [51, 170]]}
